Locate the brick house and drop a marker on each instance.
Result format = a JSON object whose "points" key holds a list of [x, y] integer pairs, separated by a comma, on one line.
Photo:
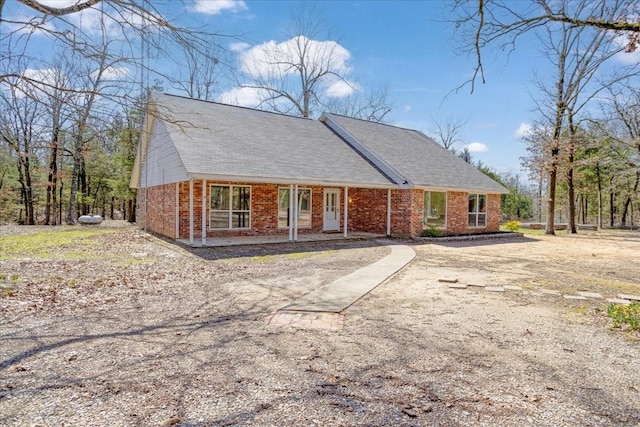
{"points": [[234, 171]]}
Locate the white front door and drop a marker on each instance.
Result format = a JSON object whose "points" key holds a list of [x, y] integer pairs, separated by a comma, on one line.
{"points": [[331, 210]]}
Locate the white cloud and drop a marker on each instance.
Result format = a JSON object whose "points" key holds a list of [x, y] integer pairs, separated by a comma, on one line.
{"points": [[239, 47], [477, 147], [523, 130], [40, 81], [340, 88], [215, 7], [272, 61], [626, 57], [406, 108], [244, 96], [113, 73]]}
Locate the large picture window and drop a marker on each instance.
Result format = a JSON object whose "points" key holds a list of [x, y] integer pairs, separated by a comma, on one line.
{"points": [[477, 210], [230, 206], [304, 208], [435, 209]]}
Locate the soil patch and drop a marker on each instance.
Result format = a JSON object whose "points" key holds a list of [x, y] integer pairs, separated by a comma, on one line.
{"points": [[133, 330]]}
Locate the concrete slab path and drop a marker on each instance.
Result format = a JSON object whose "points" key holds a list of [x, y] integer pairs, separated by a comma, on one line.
{"points": [[337, 296]]}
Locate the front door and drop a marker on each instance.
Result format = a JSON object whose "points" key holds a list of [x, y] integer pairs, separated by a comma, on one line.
{"points": [[331, 210]]}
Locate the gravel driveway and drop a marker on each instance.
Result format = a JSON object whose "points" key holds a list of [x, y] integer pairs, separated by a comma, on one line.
{"points": [[132, 330]]}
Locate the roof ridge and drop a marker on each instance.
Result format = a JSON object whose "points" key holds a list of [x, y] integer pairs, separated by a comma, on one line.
{"points": [[376, 123], [207, 101]]}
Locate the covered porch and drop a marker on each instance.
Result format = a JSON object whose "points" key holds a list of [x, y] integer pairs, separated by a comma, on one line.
{"points": [[281, 238]]}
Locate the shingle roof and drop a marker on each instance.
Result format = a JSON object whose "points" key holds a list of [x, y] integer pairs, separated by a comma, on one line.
{"points": [[218, 141], [223, 140], [418, 158]]}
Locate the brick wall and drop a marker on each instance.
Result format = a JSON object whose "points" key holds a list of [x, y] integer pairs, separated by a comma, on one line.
{"points": [[457, 214], [367, 211], [407, 208], [160, 205], [264, 210]]}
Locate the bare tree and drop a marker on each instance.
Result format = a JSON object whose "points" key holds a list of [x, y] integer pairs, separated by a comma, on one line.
{"points": [[94, 83], [625, 106], [447, 132], [305, 74], [200, 74], [577, 53], [372, 106], [19, 131], [291, 77], [500, 23], [143, 33]]}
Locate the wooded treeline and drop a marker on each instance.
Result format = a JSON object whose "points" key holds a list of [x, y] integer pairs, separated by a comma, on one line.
{"points": [[583, 146], [70, 117], [55, 165], [598, 164]]}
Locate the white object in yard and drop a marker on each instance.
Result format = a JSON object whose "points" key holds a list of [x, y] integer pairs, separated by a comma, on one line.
{"points": [[90, 219]]}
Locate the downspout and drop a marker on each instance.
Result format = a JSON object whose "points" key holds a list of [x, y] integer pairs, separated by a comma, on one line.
{"points": [[290, 224], [204, 212], [295, 213], [177, 210], [388, 212], [346, 211], [191, 211]]}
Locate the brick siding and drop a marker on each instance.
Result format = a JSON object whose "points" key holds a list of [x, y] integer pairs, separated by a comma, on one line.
{"points": [[367, 211], [158, 212], [457, 214]]}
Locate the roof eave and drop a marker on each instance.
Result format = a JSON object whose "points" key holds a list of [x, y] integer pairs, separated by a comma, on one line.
{"points": [[288, 181]]}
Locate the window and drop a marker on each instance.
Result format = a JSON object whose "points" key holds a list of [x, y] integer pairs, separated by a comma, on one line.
{"points": [[477, 210], [435, 209], [230, 206], [304, 208]]}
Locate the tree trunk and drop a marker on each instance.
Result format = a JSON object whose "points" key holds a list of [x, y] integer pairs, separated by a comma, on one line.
{"points": [[84, 188], [60, 202], [599, 179], [551, 206], [585, 210], [75, 174], [570, 185], [132, 210], [539, 204], [612, 204], [628, 200], [50, 208], [26, 190]]}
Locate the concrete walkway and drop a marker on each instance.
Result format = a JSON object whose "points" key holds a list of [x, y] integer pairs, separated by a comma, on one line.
{"points": [[337, 296]]}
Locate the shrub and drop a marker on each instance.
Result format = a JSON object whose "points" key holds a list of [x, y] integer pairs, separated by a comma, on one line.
{"points": [[625, 315], [431, 232], [512, 225]]}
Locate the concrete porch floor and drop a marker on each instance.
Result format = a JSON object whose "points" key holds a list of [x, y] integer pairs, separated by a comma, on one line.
{"points": [[284, 238]]}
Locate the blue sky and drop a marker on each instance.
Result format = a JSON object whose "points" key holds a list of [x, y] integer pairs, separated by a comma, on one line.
{"points": [[407, 46]]}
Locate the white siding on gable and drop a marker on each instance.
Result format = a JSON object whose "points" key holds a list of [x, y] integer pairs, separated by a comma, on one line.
{"points": [[163, 165]]}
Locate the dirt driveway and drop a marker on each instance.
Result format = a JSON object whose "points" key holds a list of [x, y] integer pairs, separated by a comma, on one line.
{"points": [[125, 329]]}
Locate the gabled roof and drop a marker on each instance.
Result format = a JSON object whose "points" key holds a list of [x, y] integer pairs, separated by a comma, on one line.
{"points": [[218, 141], [413, 155], [184, 139]]}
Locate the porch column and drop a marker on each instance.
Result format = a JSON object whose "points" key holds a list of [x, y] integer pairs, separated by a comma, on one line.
{"points": [[295, 213], [191, 211], [389, 212], [290, 213], [177, 210], [346, 211], [204, 212]]}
